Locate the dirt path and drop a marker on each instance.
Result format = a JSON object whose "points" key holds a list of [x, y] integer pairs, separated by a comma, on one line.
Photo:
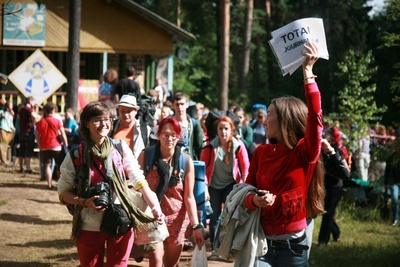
{"points": [[35, 227]]}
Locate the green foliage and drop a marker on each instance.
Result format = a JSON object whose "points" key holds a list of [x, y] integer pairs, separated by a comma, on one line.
{"points": [[392, 39], [365, 240], [347, 27], [356, 97]]}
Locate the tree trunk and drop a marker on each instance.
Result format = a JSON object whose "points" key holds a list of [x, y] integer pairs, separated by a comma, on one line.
{"points": [[73, 54], [224, 48], [270, 57], [247, 44]]}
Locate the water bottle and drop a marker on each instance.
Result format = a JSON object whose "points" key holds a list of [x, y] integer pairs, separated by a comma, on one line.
{"points": [[209, 210]]}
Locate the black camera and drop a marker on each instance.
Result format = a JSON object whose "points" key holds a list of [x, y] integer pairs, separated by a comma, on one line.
{"points": [[102, 190]]}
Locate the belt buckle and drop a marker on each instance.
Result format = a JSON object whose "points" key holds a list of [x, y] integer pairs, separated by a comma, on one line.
{"points": [[271, 244]]}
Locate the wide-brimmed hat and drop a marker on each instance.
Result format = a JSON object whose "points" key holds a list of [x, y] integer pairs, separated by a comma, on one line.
{"points": [[128, 101]]}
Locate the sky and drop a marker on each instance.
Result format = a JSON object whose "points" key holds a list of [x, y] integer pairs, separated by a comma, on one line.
{"points": [[377, 6]]}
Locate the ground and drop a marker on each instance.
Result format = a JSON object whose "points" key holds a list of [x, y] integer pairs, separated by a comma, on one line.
{"points": [[35, 227]]}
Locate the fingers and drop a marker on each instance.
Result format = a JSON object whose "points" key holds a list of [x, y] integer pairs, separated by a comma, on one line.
{"points": [[264, 201], [311, 50]]}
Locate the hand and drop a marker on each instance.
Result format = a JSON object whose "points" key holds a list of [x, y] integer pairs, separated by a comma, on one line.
{"points": [[327, 147], [90, 203], [264, 201], [198, 237], [206, 193], [158, 215], [311, 55]]}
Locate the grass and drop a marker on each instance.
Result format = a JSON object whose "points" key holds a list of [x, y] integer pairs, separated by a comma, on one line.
{"points": [[366, 240], [35, 230]]}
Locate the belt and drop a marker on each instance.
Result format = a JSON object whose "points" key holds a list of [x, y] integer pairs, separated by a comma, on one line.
{"points": [[294, 243]]}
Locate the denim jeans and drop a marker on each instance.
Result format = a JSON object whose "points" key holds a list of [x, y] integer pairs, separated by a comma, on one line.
{"points": [[217, 197], [394, 192], [284, 257]]}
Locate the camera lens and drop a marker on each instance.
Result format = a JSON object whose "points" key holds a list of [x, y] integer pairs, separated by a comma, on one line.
{"points": [[102, 200]]}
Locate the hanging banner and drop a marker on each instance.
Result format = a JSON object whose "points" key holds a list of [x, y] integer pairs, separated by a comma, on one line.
{"points": [[24, 24], [88, 91], [37, 76], [287, 42]]}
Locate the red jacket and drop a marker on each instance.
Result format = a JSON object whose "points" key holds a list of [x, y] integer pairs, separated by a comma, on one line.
{"points": [[287, 173]]}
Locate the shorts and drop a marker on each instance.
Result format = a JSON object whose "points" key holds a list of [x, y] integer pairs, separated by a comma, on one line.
{"points": [[26, 145], [49, 155]]}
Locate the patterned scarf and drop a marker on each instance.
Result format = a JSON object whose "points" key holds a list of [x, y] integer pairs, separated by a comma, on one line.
{"points": [[138, 217]]}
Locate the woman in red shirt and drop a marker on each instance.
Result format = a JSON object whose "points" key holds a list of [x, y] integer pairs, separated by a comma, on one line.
{"points": [[289, 171], [47, 131]]}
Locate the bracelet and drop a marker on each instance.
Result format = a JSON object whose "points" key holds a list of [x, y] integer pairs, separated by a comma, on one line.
{"points": [[153, 209], [311, 77]]}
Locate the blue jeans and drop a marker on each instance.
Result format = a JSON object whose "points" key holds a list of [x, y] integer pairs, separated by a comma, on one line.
{"points": [[284, 257], [394, 192], [217, 197]]}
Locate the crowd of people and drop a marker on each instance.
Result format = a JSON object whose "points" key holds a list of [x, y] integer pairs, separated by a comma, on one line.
{"points": [[296, 165]]}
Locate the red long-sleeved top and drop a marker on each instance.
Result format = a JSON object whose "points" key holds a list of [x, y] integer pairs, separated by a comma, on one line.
{"points": [[287, 173]]}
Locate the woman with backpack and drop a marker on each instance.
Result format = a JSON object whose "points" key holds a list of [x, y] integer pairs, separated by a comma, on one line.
{"points": [[227, 164], [170, 174], [93, 182]]}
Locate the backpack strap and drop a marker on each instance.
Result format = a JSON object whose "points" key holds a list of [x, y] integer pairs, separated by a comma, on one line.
{"points": [[144, 133], [183, 165], [149, 153]]}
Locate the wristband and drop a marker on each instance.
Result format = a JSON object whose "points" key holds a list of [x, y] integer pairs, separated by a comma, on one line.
{"points": [[141, 184], [311, 77], [197, 226]]}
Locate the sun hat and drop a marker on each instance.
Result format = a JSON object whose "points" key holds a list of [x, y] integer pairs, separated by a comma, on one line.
{"points": [[128, 101]]}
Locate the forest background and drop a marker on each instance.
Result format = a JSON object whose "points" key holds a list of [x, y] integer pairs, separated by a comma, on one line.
{"points": [[359, 82]]}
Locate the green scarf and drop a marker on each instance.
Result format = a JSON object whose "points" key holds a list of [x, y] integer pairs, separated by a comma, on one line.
{"points": [[138, 217]]}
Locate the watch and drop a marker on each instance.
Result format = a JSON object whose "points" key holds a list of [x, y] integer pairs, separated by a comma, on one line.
{"points": [[197, 226]]}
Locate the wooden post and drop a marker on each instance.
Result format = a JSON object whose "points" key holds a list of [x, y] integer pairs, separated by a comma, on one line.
{"points": [[75, 9]]}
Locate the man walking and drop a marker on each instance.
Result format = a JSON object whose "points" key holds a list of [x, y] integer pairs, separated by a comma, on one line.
{"points": [[191, 139], [127, 128], [26, 123]]}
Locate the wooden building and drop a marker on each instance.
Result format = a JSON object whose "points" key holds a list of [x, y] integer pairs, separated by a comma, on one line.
{"points": [[114, 33]]}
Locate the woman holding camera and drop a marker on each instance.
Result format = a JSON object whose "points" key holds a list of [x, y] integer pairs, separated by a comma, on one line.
{"points": [[170, 174], [85, 172]]}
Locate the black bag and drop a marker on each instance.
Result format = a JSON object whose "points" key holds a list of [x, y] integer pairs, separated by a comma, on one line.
{"points": [[213, 116], [147, 109], [115, 221]]}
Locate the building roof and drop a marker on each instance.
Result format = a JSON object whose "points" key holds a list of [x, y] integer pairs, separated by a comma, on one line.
{"points": [[178, 33]]}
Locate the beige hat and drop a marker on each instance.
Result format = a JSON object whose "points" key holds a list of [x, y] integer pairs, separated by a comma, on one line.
{"points": [[128, 101]]}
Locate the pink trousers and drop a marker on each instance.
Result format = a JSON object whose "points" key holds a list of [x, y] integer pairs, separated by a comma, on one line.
{"points": [[93, 245]]}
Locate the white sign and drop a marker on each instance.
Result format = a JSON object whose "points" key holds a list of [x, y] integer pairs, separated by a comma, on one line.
{"points": [[287, 42], [37, 77]]}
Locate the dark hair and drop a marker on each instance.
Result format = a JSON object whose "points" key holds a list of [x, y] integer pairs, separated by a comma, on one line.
{"points": [[179, 96], [93, 109], [49, 108], [130, 71], [292, 119], [110, 76], [173, 121], [29, 99]]}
